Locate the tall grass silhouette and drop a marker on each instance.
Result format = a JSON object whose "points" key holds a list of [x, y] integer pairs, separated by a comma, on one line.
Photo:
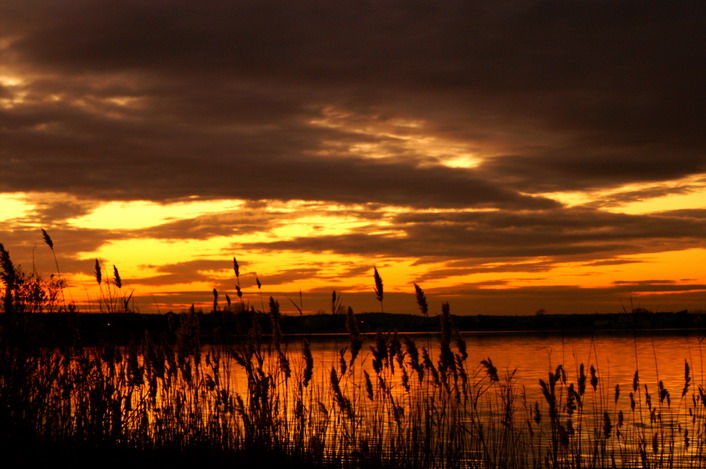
{"points": [[396, 403]]}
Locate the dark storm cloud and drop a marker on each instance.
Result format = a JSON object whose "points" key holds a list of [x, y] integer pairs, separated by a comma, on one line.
{"points": [[645, 194], [282, 277], [596, 165], [92, 156], [56, 210], [185, 272], [567, 234], [222, 98], [454, 270], [612, 262], [208, 226], [202, 271]]}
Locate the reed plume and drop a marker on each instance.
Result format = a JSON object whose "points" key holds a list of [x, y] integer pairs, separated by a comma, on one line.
{"points": [[238, 291], [259, 290], [47, 239], [594, 377], [97, 273], [446, 357], [490, 369], [308, 363], [116, 277], [276, 321], [421, 300], [356, 342], [687, 378], [343, 402], [335, 303], [378, 287]]}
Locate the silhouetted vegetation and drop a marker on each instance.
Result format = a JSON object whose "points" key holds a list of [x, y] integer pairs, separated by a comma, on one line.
{"points": [[219, 328], [144, 389]]}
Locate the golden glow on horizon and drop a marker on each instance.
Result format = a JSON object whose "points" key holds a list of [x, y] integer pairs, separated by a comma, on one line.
{"points": [[311, 219], [687, 193], [145, 214], [398, 276], [137, 253], [317, 225], [572, 199], [140, 259], [680, 267], [301, 219], [693, 200], [13, 206]]}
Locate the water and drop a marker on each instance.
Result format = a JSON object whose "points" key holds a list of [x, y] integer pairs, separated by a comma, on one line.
{"points": [[654, 418], [656, 355], [453, 413]]}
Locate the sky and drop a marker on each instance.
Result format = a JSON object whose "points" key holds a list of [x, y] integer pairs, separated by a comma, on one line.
{"points": [[506, 156]]}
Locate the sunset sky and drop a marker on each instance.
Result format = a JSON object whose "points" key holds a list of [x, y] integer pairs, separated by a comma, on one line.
{"points": [[507, 156]]}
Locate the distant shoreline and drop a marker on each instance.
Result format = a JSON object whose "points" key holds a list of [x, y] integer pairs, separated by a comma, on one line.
{"points": [[224, 327]]}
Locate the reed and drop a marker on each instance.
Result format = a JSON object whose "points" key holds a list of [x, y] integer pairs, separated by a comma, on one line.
{"points": [[403, 410], [379, 291], [59, 282], [398, 404], [421, 300]]}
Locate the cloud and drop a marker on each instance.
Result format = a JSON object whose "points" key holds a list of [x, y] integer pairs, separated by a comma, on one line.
{"points": [[208, 226], [55, 209], [456, 268], [662, 190], [406, 114], [139, 101], [501, 235], [200, 270]]}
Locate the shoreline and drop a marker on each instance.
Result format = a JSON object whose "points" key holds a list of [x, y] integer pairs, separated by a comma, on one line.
{"points": [[226, 327]]}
